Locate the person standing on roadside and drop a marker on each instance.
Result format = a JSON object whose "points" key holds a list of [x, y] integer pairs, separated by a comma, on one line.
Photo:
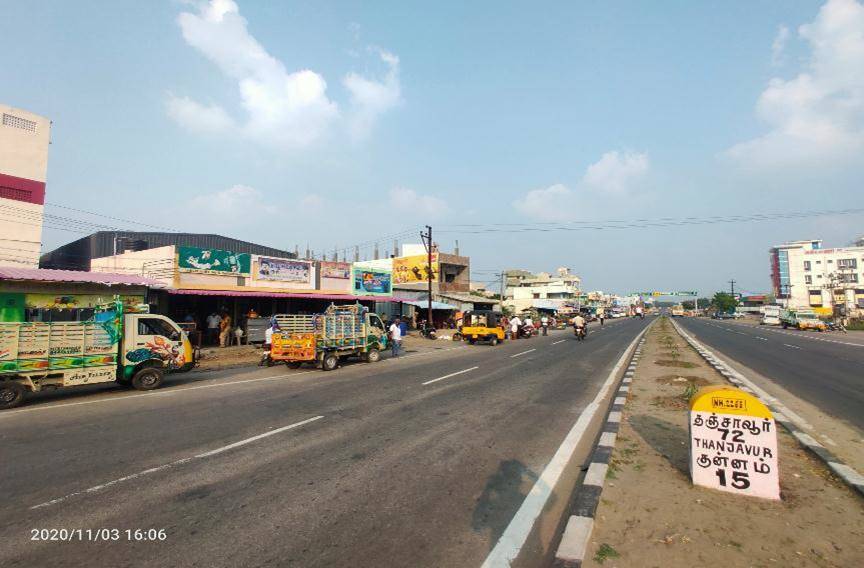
{"points": [[515, 325], [602, 316], [213, 321], [224, 329], [544, 323], [395, 337]]}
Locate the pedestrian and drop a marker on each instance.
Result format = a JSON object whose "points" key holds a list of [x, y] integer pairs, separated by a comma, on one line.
{"points": [[395, 337], [544, 322], [515, 324], [224, 329], [602, 316], [213, 321]]}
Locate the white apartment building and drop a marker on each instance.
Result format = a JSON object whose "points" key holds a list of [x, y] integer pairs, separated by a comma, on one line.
{"points": [[24, 139], [525, 290], [829, 281]]}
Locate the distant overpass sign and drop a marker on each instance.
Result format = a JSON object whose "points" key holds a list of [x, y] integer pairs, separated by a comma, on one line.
{"points": [[657, 294]]}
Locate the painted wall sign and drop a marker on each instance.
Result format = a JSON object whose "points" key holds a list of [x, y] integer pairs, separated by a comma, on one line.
{"points": [[79, 301], [733, 443], [372, 282], [408, 269], [213, 261], [284, 270]]}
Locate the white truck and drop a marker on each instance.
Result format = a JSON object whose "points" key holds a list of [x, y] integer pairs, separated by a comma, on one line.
{"points": [[133, 349], [770, 315]]}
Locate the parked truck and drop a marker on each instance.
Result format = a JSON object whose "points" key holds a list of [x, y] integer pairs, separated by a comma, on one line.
{"points": [[133, 349], [771, 315], [325, 339], [801, 319]]}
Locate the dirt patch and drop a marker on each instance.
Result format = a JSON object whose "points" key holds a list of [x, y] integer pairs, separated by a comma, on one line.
{"points": [[651, 515], [675, 363]]}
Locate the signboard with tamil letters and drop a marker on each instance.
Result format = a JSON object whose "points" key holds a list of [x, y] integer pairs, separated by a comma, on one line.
{"points": [[733, 443]]}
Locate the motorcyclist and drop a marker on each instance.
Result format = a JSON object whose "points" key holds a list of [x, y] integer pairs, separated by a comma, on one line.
{"points": [[266, 359], [580, 325], [544, 323]]}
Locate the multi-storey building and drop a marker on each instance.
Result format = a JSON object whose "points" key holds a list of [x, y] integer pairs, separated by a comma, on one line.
{"points": [[524, 290], [828, 280], [24, 139]]}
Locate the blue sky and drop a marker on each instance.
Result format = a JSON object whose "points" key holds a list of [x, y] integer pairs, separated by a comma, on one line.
{"points": [[336, 123]]}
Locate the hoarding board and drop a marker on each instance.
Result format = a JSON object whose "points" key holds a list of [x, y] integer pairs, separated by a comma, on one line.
{"points": [[410, 269], [336, 270], [78, 301], [213, 261], [284, 270], [372, 282]]}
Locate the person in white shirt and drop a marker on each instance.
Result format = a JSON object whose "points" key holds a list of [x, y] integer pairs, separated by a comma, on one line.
{"points": [[544, 323], [395, 337], [213, 321], [515, 324]]}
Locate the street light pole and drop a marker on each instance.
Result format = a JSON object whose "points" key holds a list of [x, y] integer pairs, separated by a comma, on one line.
{"points": [[427, 241]]}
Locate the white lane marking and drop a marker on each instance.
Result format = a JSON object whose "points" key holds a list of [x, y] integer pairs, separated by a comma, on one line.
{"points": [[165, 392], [760, 338], [450, 375], [523, 353], [514, 536], [791, 346], [175, 463], [559, 341]]}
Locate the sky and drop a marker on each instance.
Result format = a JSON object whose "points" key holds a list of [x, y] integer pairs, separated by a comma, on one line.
{"points": [[522, 130]]}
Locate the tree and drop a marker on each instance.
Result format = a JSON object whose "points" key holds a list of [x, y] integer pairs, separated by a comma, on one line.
{"points": [[724, 302]]}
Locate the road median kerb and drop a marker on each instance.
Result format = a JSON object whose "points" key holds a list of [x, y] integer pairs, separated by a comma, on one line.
{"points": [[577, 533], [794, 424]]}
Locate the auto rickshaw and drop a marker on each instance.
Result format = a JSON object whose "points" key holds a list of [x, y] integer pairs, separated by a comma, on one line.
{"points": [[482, 325]]}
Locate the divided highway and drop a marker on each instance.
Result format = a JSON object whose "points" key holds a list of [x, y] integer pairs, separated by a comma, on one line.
{"points": [[418, 461], [824, 369]]}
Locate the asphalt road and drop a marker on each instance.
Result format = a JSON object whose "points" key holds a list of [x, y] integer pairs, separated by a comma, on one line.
{"points": [[825, 369], [363, 466]]}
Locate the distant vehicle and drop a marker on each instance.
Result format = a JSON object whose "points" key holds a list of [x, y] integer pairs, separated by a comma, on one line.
{"points": [[678, 311], [801, 319], [770, 315], [482, 325], [723, 315], [133, 349], [323, 339]]}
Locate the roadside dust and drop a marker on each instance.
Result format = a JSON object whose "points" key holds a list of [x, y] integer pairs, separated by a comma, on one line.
{"points": [[651, 515]]}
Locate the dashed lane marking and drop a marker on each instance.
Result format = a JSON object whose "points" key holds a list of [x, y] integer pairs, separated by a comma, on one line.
{"points": [[450, 375], [523, 353]]}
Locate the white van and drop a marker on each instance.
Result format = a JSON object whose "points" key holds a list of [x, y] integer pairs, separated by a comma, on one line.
{"points": [[770, 315]]}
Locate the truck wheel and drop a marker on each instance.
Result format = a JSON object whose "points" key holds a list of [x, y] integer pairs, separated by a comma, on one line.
{"points": [[11, 394], [148, 378], [329, 362], [494, 341], [372, 356]]}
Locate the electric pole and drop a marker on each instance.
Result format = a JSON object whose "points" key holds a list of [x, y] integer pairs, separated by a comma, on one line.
{"points": [[732, 283], [427, 242]]}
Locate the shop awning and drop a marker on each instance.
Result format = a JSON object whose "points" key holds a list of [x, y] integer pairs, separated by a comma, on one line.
{"points": [[262, 294], [425, 304]]}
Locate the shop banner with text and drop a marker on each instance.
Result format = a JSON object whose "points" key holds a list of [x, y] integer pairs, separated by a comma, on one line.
{"points": [[372, 282], [411, 269], [284, 270], [213, 261]]}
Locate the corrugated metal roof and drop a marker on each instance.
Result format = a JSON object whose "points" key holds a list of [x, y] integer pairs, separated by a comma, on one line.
{"points": [[260, 294], [51, 275]]}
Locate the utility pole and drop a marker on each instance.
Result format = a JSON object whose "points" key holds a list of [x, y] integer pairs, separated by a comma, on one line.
{"points": [[503, 287], [427, 242], [732, 283]]}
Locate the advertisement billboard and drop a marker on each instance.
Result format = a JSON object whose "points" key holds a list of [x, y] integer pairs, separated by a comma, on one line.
{"points": [[284, 270], [411, 269], [336, 270], [213, 261], [372, 282]]}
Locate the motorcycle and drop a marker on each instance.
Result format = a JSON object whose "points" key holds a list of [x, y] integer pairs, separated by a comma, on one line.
{"points": [[835, 326], [581, 332], [428, 332], [266, 360], [527, 331]]}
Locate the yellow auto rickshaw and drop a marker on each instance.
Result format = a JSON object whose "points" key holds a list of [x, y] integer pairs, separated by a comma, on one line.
{"points": [[482, 325]]}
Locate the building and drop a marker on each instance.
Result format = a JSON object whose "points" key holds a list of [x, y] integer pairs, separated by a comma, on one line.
{"points": [[24, 140], [829, 281], [78, 254], [524, 290]]}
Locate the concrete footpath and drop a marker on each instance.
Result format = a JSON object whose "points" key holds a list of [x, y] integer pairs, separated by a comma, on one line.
{"points": [[651, 515]]}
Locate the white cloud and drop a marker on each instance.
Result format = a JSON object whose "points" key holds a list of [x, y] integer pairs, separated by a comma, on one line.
{"points": [[614, 173], [816, 118], [197, 117], [371, 98], [232, 202], [409, 201], [779, 45], [282, 108]]}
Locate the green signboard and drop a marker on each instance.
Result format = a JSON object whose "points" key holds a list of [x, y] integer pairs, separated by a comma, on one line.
{"points": [[213, 261]]}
